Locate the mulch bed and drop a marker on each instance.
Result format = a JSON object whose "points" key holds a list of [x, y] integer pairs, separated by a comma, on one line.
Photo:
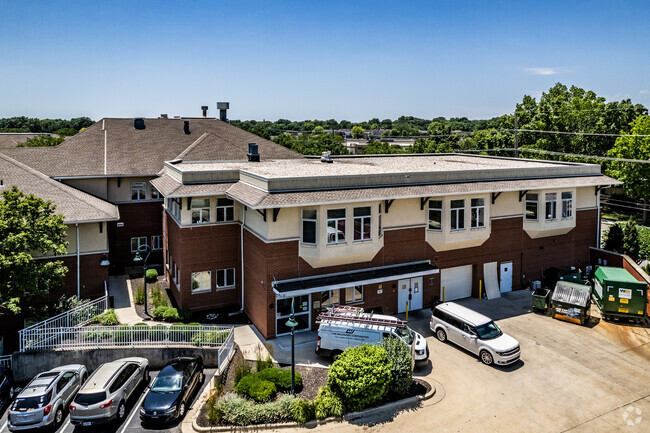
{"points": [[137, 281], [312, 379]]}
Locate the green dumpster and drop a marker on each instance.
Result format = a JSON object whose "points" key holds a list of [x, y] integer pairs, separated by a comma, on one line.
{"points": [[619, 294], [540, 300], [570, 302]]}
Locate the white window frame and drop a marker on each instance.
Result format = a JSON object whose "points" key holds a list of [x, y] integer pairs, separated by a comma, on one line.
{"points": [[201, 289], [309, 221], [550, 198], [156, 242], [435, 209], [141, 191], [567, 205], [354, 298], [379, 228], [175, 206], [224, 209], [155, 194], [331, 295], [530, 200], [177, 277], [477, 210], [457, 215], [334, 237], [225, 272], [202, 211], [142, 241], [362, 220]]}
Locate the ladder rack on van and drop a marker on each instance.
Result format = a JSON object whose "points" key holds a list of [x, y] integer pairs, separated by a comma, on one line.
{"points": [[356, 315]]}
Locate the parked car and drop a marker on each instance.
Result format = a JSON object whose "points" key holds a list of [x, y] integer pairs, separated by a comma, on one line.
{"points": [[104, 396], [474, 332], [43, 401], [172, 389], [6, 385]]}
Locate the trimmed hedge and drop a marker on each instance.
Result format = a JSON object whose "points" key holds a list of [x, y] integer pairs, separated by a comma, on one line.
{"points": [[400, 360], [281, 378], [236, 410], [328, 404], [256, 388], [151, 275]]}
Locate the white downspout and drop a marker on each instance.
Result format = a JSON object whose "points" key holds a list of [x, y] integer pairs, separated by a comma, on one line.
{"points": [[78, 270], [598, 220], [241, 239]]}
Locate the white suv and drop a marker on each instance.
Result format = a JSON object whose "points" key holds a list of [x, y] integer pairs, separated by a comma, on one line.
{"points": [[474, 332]]}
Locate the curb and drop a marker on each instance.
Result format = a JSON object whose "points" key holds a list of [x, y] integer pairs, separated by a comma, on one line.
{"points": [[396, 405]]}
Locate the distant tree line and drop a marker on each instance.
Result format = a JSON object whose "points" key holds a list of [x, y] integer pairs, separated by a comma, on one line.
{"points": [[60, 127]]}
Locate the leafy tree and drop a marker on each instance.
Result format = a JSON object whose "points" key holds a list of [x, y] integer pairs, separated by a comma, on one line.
{"points": [[613, 238], [42, 140], [400, 360], [631, 240], [357, 132], [28, 226], [635, 176], [381, 148]]}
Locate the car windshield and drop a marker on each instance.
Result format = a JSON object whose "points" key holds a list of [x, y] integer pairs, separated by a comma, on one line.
{"points": [[90, 398], [488, 331], [405, 334], [167, 384]]}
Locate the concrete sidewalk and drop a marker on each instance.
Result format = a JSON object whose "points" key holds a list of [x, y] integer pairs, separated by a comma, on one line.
{"points": [[120, 290]]}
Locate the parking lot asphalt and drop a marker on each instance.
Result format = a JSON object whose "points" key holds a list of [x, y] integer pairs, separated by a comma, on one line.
{"points": [[131, 423]]}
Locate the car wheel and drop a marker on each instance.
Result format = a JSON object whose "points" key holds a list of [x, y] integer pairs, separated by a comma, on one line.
{"points": [[12, 392], [146, 377], [486, 357], [335, 355], [441, 335], [83, 378], [121, 411], [58, 417], [181, 410], [201, 378]]}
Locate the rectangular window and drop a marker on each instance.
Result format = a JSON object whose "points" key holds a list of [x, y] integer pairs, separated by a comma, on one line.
{"points": [[174, 205], [458, 214], [478, 213], [138, 244], [225, 278], [200, 210], [309, 224], [225, 210], [435, 215], [362, 223], [156, 242], [138, 191], [330, 298], [379, 222], [551, 206], [155, 195], [353, 294], [531, 207], [168, 256], [201, 281], [567, 204], [336, 226], [177, 277]]}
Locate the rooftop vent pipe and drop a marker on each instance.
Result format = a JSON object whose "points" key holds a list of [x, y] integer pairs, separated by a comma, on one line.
{"points": [[204, 108], [325, 157], [253, 154], [223, 107], [164, 116], [138, 123], [186, 126]]}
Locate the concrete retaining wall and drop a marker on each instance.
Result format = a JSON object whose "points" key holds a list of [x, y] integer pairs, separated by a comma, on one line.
{"points": [[27, 364]]}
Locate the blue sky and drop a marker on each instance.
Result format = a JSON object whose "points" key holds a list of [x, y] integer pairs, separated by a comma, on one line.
{"points": [[302, 60]]}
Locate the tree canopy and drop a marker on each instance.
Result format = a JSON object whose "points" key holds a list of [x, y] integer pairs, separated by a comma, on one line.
{"points": [[57, 126], [635, 176], [28, 226]]}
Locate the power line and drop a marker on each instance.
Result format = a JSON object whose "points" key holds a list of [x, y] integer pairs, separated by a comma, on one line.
{"points": [[550, 152], [576, 133]]}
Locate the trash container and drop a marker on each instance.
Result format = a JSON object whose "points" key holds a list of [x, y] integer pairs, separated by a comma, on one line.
{"points": [[540, 300], [570, 302], [618, 294]]}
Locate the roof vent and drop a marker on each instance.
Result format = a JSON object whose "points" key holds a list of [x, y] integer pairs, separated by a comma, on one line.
{"points": [[164, 116], [325, 157], [204, 108], [186, 126], [2, 183], [253, 154], [138, 123], [223, 107]]}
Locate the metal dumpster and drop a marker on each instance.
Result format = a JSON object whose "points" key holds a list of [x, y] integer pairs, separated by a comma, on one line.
{"points": [[540, 300], [618, 294], [571, 301]]}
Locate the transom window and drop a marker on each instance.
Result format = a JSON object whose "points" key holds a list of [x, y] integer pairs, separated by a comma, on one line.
{"points": [[329, 298], [156, 242], [478, 213], [435, 215], [531, 207], [551, 206], [353, 294], [567, 204], [225, 278], [458, 214], [336, 226], [138, 243], [362, 220], [225, 210], [309, 224], [138, 191], [201, 281], [200, 210]]}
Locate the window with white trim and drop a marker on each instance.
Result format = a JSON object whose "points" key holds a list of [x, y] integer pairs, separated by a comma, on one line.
{"points": [[330, 298], [225, 278], [138, 191], [531, 207], [174, 205], [309, 224], [379, 230], [200, 210], [138, 243], [353, 294], [201, 281], [567, 204], [477, 213], [551, 206], [435, 215], [156, 242], [362, 221], [225, 210], [457, 214], [155, 195], [168, 256], [336, 226]]}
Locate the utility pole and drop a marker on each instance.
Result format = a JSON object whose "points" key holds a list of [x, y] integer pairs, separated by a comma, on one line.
{"points": [[516, 137]]}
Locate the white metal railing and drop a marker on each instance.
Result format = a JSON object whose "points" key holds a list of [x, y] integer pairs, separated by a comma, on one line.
{"points": [[6, 360], [227, 349], [142, 335], [38, 333]]}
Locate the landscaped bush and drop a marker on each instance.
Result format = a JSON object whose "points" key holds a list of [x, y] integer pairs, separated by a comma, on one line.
{"points": [[400, 362], [209, 337], [170, 315], [263, 357], [107, 318], [361, 376], [281, 378], [142, 331], [157, 296], [151, 275], [236, 410], [157, 333], [242, 369], [138, 297], [328, 404], [302, 410], [256, 388], [95, 335], [159, 311], [123, 333], [185, 313]]}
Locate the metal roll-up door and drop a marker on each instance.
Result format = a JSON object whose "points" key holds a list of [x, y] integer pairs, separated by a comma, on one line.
{"points": [[457, 282]]}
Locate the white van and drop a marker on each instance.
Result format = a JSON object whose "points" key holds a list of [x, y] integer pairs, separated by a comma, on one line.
{"points": [[343, 327], [474, 332]]}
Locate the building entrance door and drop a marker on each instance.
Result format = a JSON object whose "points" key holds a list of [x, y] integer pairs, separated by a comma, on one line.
{"points": [[302, 314], [410, 292], [505, 283]]}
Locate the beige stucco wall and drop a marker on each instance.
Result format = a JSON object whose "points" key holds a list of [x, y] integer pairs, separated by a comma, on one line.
{"points": [[404, 213], [506, 205], [255, 222], [288, 224], [544, 228], [446, 239], [123, 192], [586, 197], [95, 186], [90, 239]]}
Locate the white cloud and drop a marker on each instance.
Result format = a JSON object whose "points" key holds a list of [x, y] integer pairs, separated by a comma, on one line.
{"points": [[541, 71], [644, 91]]}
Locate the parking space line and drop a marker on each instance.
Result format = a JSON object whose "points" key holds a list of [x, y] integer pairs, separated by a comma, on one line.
{"points": [[65, 426], [4, 426], [136, 409]]}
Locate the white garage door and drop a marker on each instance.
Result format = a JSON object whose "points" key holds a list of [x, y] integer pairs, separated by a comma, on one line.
{"points": [[457, 282]]}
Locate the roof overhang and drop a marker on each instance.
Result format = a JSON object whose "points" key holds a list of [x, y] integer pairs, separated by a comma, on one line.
{"points": [[340, 280]]}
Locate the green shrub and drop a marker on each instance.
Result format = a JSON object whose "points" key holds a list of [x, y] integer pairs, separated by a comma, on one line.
{"points": [[158, 297], [236, 410], [242, 369], [138, 297], [151, 275], [142, 331], [170, 315], [159, 311], [95, 335], [254, 387], [186, 314], [302, 411], [157, 333], [400, 363], [328, 404], [107, 318], [361, 376], [263, 357], [123, 333], [281, 378], [213, 414]]}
